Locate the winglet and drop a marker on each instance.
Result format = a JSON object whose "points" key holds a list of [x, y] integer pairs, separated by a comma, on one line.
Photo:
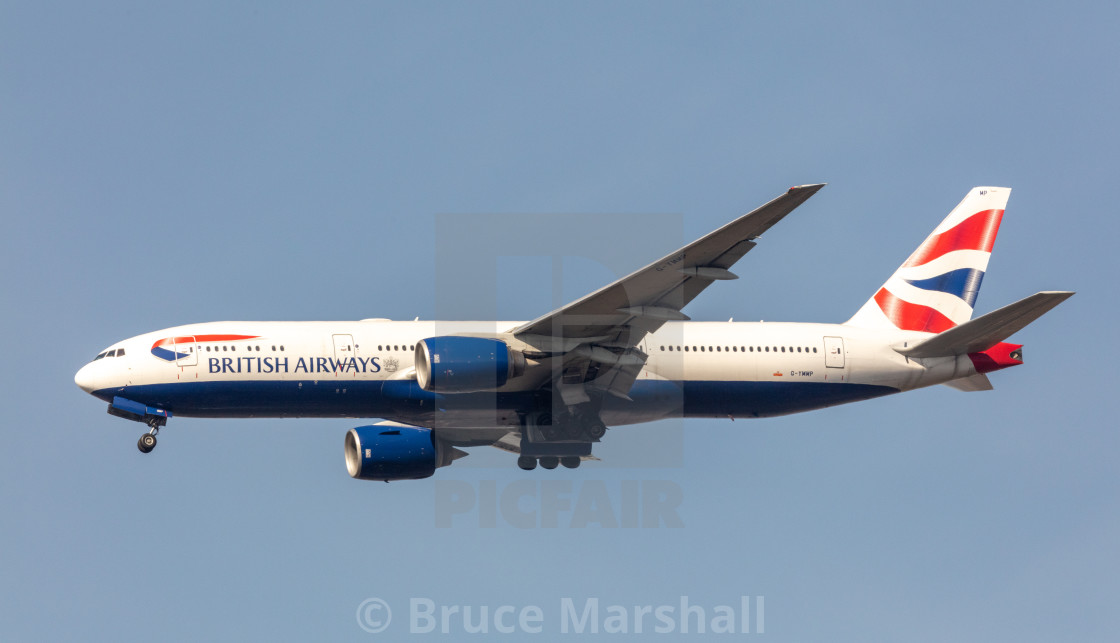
{"points": [[807, 186]]}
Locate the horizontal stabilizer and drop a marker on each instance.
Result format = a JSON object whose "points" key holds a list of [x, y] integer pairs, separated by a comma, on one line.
{"points": [[986, 331], [977, 382]]}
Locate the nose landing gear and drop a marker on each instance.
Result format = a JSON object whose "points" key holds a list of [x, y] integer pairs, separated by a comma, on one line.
{"points": [[147, 442]]}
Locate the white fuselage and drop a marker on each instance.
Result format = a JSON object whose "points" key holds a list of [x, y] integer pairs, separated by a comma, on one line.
{"points": [[364, 369]]}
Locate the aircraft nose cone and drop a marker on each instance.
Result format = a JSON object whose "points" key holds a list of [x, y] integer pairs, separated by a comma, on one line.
{"points": [[84, 378]]}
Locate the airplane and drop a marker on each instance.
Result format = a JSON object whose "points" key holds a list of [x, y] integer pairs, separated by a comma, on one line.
{"points": [[547, 389]]}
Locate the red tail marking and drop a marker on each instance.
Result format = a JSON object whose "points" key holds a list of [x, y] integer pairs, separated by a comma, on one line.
{"points": [[908, 316], [978, 232]]}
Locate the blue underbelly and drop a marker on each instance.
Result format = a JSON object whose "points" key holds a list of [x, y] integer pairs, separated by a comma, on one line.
{"points": [[405, 401]]}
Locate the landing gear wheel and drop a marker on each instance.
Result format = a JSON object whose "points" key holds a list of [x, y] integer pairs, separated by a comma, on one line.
{"points": [[550, 461], [527, 463], [146, 443], [570, 461], [597, 430]]}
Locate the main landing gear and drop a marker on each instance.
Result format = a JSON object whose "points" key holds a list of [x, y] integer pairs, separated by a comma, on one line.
{"points": [[528, 462], [147, 442], [552, 444]]}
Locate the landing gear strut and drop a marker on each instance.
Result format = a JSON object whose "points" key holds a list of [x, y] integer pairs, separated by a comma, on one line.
{"points": [[147, 442]]}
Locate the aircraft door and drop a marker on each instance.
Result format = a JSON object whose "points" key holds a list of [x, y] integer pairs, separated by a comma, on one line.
{"points": [[343, 347], [186, 348], [834, 352]]}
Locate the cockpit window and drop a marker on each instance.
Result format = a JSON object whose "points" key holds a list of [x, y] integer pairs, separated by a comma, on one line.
{"points": [[120, 352], [111, 353], [99, 356]]}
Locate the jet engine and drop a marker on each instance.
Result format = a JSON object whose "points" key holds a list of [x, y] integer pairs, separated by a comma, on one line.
{"points": [[465, 364], [391, 452]]}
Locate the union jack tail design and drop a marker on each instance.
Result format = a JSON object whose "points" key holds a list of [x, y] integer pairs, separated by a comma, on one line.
{"points": [[936, 288]]}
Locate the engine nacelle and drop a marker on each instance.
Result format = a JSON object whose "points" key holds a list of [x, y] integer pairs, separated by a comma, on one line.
{"points": [[391, 453], [465, 364]]}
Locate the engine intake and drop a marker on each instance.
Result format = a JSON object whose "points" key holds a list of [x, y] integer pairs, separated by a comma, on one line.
{"points": [[465, 364]]}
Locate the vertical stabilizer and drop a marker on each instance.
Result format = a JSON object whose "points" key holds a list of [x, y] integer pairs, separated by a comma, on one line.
{"points": [[935, 289]]}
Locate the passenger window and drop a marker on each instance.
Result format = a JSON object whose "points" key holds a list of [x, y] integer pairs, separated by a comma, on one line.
{"points": [[783, 349], [734, 349], [767, 349], [814, 349]]}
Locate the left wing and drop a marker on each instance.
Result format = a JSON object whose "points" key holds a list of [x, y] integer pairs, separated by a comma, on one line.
{"points": [[655, 294], [597, 336]]}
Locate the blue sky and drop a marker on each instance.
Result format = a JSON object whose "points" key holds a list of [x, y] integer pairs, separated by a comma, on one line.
{"points": [[162, 165]]}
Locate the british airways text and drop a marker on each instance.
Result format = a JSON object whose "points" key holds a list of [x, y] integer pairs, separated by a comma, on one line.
{"points": [[301, 365]]}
